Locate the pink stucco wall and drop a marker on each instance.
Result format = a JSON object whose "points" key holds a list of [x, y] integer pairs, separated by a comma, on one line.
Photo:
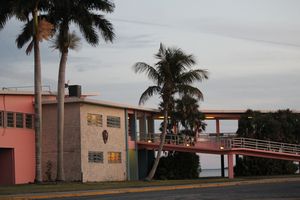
{"points": [[22, 140]]}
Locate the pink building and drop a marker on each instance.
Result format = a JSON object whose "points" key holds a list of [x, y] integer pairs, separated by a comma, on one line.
{"points": [[17, 137], [17, 149]]}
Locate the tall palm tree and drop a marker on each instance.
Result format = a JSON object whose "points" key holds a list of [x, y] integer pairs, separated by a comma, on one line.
{"points": [[172, 74], [87, 16], [28, 11]]}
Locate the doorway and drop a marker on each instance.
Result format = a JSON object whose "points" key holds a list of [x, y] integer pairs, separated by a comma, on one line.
{"points": [[7, 167]]}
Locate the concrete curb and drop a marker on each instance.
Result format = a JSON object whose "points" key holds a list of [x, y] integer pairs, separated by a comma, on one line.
{"points": [[142, 189]]}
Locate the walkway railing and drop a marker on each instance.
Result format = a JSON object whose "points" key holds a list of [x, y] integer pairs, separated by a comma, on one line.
{"points": [[226, 142], [170, 139], [185, 140], [264, 145]]}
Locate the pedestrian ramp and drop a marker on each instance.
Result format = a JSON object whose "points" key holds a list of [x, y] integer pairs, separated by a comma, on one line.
{"points": [[224, 145]]}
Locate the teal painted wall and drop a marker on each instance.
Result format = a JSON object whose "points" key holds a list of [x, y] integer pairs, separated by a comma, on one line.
{"points": [[146, 158], [133, 165]]}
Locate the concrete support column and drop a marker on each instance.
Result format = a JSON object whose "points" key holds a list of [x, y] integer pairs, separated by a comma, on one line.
{"points": [[134, 165], [222, 156], [222, 166], [230, 166], [143, 126], [218, 127], [132, 127], [126, 145], [150, 124]]}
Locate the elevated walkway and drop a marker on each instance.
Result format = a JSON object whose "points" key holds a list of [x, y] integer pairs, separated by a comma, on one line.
{"points": [[224, 145]]}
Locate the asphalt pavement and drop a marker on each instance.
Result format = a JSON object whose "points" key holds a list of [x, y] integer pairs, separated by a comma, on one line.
{"points": [[257, 191]]}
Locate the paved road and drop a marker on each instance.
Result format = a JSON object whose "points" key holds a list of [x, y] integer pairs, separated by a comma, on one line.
{"points": [[274, 191]]}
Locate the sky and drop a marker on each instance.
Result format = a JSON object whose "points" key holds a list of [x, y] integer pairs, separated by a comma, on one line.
{"points": [[251, 49]]}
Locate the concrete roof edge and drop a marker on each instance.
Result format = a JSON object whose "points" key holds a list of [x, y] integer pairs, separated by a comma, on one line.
{"points": [[103, 103], [8, 92], [46, 93]]}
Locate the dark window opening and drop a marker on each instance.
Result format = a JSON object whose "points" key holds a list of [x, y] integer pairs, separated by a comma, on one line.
{"points": [[114, 122], [29, 121], [95, 157], [19, 120], [10, 119], [1, 119]]}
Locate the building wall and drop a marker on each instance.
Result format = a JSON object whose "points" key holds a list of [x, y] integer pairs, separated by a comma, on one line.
{"points": [[92, 140], [21, 140], [72, 160]]}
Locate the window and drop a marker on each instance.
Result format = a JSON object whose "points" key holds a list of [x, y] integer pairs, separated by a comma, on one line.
{"points": [[29, 121], [114, 157], [95, 157], [1, 119], [10, 119], [19, 120], [113, 122], [94, 119]]}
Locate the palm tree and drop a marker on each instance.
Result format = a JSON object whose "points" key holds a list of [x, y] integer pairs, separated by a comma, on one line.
{"points": [[187, 112], [85, 15], [172, 74], [33, 29]]}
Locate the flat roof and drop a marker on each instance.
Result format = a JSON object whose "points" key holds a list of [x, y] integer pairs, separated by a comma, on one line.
{"points": [[102, 103], [45, 93], [14, 92]]}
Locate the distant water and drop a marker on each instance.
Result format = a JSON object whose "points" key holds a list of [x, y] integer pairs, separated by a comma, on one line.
{"points": [[212, 173], [217, 173]]}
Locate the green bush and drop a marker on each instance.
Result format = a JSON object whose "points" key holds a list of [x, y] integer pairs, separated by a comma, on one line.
{"points": [[253, 166], [178, 165]]}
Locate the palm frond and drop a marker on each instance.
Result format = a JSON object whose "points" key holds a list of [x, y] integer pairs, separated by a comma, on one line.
{"points": [[29, 48], [88, 31], [105, 27], [149, 92], [6, 12], [161, 52], [71, 42], [192, 76], [45, 30], [99, 5], [189, 90], [26, 34], [150, 71], [44, 5], [186, 60], [74, 41], [22, 9]]}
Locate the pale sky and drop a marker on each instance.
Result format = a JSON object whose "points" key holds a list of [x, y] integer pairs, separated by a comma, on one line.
{"points": [[251, 49]]}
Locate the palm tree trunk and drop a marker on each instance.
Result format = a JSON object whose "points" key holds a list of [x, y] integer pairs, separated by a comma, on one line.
{"points": [[37, 100], [160, 147], [60, 115]]}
